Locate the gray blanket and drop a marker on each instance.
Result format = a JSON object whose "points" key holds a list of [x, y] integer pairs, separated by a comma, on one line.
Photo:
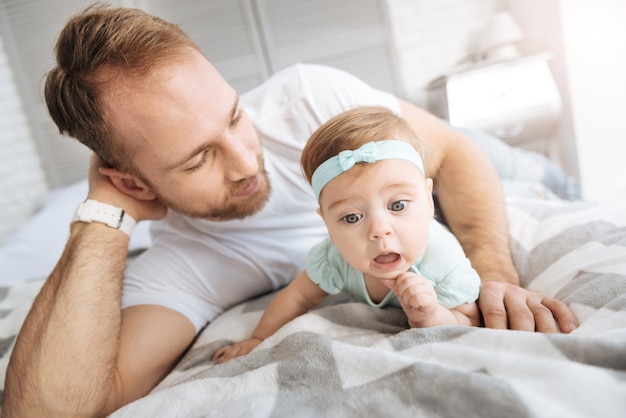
{"points": [[345, 359]]}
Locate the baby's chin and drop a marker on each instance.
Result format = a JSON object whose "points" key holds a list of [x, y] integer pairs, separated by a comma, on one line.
{"points": [[387, 274]]}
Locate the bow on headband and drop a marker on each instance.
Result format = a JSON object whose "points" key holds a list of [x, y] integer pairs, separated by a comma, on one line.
{"points": [[367, 153]]}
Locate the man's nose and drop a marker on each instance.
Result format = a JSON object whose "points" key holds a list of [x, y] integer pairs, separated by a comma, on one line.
{"points": [[240, 161]]}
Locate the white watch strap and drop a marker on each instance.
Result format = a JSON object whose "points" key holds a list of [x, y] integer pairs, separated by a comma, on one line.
{"points": [[93, 211]]}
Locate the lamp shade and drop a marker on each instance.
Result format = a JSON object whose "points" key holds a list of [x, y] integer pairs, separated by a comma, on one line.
{"points": [[497, 38]]}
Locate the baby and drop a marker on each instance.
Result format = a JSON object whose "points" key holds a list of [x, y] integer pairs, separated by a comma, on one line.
{"points": [[384, 246]]}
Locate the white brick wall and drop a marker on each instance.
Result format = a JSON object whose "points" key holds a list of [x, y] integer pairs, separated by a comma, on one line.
{"points": [[22, 180], [432, 36]]}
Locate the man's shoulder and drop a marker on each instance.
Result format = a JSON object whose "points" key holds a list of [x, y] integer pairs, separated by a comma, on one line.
{"points": [[305, 71], [304, 78]]}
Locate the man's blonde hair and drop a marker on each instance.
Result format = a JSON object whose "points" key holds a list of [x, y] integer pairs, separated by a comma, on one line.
{"points": [[94, 48]]}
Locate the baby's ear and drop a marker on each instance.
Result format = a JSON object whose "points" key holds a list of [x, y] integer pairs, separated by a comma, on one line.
{"points": [[429, 189]]}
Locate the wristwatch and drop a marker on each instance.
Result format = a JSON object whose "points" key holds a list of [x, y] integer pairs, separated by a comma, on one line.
{"points": [[93, 211]]}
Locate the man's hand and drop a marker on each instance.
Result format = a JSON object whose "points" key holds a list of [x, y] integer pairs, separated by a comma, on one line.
{"points": [[505, 305], [235, 350], [108, 185]]}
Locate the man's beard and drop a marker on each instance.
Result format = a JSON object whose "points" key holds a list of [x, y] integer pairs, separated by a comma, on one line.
{"points": [[229, 209]]}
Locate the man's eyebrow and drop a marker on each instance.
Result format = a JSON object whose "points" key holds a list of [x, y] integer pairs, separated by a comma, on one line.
{"points": [[197, 150]]}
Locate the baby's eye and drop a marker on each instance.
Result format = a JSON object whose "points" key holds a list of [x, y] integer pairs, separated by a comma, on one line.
{"points": [[398, 205], [352, 218]]}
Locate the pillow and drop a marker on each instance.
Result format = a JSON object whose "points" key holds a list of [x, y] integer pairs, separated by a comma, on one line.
{"points": [[34, 249]]}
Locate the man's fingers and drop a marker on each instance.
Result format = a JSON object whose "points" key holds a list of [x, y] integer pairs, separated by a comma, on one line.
{"points": [[513, 312], [564, 316], [544, 320], [521, 317], [509, 306], [491, 304]]}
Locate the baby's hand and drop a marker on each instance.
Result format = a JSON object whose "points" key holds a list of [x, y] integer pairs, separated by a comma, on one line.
{"points": [[417, 298], [235, 350]]}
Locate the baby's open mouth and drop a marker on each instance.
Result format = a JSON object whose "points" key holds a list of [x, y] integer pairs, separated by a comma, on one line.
{"points": [[387, 258]]}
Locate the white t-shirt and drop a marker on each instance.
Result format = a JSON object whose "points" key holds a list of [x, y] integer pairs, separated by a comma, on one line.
{"points": [[200, 268]]}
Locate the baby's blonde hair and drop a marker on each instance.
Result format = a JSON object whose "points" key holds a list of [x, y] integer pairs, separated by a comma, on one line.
{"points": [[351, 129]]}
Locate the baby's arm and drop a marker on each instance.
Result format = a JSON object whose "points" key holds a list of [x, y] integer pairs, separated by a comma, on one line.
{"points": [[297, 298], [419, 301]]}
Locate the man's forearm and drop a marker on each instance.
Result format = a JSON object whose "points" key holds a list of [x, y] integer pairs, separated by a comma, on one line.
{"points": [[471, 195], [65, 355]]}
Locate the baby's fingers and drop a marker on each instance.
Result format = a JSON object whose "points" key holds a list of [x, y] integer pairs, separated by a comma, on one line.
{"points": [[223, 354], [411, 284], [235, 350], [221, 351], [389, 283]]}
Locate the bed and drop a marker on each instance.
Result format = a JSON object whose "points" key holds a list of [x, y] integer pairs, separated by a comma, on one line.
{"points": [[345, 359]]}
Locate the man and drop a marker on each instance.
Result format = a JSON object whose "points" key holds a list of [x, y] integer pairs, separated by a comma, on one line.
{"points": [[169, 132]]}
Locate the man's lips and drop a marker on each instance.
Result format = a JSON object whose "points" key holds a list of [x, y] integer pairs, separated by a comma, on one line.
{"points": [[248, 189]]}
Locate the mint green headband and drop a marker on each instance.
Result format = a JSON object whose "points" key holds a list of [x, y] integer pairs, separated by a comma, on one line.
{"points": [[367, 153]]}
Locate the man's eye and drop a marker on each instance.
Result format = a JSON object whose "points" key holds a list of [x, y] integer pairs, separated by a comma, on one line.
{"points": [[200, 163], [398, 205], [236, 119], [352, 218]]}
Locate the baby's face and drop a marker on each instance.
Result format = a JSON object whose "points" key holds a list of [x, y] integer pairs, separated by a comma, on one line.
{"points": [[378, 215]]}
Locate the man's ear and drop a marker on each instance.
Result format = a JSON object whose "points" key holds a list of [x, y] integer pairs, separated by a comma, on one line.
{"points": [[128, 184]]}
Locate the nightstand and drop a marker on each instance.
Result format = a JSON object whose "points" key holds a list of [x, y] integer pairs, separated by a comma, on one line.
{"points": [[517, 101]]}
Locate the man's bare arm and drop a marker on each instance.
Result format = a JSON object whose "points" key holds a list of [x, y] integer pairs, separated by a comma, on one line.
{"points": [[69, 342], [470, 193], [76, 353]]}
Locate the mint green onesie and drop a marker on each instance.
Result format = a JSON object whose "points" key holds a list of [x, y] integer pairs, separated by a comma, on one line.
{"points": [[443, 263]]}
